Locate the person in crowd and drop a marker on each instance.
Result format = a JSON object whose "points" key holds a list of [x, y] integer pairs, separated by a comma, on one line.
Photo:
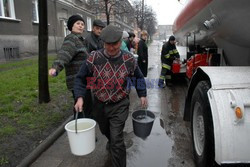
{"points": [[106, 72], [136, 42], [72, 54], [143, 53], [168, 54], [130, 42], [125, 36], [93, 38], [93, 43]]}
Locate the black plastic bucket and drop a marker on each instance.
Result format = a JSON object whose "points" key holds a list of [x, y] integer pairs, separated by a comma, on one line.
{"points": [[143, 121]]}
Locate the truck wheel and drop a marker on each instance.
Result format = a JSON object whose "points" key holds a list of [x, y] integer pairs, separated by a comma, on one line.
{"points": [[202, 126]]}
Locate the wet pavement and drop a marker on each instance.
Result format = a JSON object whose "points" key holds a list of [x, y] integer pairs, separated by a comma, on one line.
{"points": [[168, 145]]}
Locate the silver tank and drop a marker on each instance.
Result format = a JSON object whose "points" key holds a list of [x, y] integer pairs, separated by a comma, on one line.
{"points": [[221, 24]]}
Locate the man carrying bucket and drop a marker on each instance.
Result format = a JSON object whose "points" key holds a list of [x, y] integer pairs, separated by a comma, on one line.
{"points": [[106, 72]]}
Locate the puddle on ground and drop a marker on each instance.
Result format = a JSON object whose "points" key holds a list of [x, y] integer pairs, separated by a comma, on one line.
{"points": [[168, 143], [155, 150]]}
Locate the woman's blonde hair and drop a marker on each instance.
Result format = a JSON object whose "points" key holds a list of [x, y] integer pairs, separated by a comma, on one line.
{"points": [[144, 32]]}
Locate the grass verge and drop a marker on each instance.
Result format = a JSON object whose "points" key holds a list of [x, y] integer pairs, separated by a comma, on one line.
{"points": [[20, 113]]}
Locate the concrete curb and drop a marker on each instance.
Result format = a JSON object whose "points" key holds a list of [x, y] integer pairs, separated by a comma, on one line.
{"points": [[44, 145]]}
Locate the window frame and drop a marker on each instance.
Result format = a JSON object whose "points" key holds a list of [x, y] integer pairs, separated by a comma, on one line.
{"points": [[11, 10], [89, 24], [65, 28], [36, 10]]}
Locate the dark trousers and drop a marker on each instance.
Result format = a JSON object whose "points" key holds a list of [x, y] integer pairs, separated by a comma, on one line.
{"points": [[166, 75], [111, 119], [87, 106]]}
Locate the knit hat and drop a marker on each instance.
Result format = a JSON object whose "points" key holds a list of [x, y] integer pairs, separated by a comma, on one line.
{"points": [[72, 19], [125, 34], [111, 34]]}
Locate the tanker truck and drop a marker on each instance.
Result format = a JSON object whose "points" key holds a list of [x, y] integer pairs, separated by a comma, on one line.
{"points": [[217, 36]]}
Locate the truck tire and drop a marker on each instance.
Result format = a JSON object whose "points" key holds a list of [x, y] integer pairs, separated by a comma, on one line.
{"points": [[202, 126]]}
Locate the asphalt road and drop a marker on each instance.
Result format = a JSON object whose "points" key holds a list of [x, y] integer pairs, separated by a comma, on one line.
{"points": [[168, 145]]}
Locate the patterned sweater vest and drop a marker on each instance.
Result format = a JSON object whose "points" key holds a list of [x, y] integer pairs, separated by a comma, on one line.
{"points": [[109, 81]]}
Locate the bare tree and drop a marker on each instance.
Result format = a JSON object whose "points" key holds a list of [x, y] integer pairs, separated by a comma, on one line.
{"points": [[110, 7], [138, 13], [44, 96], [142, 14], [145, 17], [150, 21]]}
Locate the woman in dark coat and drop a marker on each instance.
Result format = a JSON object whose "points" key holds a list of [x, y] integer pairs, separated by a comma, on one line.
{"points": [[143, 54]]}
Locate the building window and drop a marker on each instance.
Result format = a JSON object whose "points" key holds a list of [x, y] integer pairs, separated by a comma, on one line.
{"points": [[7, 9], [79, 14], [89, 24], [35, 17], [125, 19], [65, 28]]}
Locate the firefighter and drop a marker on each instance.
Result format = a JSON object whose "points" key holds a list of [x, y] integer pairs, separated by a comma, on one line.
{"points": [[168, 54]]}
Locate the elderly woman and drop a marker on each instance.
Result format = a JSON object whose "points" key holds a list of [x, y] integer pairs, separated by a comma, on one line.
{"points": [[143, 53], [71, 56]]}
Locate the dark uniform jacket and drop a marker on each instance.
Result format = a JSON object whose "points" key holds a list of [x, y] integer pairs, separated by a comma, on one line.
{"points": [[71, 56], [168, 54], [93, 42]]}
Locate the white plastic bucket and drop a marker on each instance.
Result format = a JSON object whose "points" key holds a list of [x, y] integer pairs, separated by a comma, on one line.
{"points": [[82, 142]]}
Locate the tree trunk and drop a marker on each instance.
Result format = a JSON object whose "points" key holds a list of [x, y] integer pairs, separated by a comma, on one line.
{"points": [[107, 12], [142, 16], [43, 53], [108, 19]]}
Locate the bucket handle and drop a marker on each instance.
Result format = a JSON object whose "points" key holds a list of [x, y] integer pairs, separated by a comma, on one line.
{"points": [[76, 116], [145, 110]]}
